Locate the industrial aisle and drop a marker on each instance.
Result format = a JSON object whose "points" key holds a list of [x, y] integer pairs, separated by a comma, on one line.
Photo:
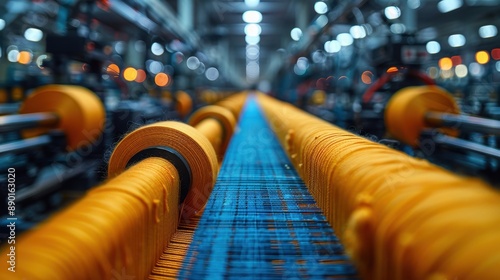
{"points": [[261, 221]]}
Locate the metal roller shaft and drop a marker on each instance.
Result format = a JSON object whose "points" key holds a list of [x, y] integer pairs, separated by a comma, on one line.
{"points": [[463, 122], [467, 145], [24, 145], [23, 121]]}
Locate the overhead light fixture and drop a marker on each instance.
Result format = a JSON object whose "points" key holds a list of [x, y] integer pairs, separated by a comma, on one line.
{"points": [[357, 31], [398, 28], [345, 39], [332, 46], [253, 29], [193, 63], [456, 40], [413, 4], [252, 17], [252, 52], [157, 49], [296, 34], [488, 31], [321, 7], [212, 74], [252, 40], [33, 34], [433, 47], [445, 6], [392, 12], [252, 3]]}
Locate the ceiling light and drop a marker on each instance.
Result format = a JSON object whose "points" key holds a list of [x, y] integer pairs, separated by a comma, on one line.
{"points": [[322, 20], [488, 31], [413, 4], [253, 29], [398, 28], [33, 34], [345, 39], [252, 40], [212, 74], [461, 71], [332, 46], [252, 3], [321, 7], [433, 47], [296, 34], [456, 40], [252, 17], [157, 49], [357, 31], [445, 6], [392, 12], [193, 63]]}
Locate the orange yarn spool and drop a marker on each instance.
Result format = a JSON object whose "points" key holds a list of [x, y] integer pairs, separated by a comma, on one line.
{"points": [[120, 228], [234, 103], [184, 104], [188, 142], [398, 217], [123, 226], [221, 115], [405, 112], [81, 114]]}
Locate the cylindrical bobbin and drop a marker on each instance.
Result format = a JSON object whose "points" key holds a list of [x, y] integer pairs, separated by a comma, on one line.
{"points": [[405, 112], [81, 114], [184, 103], [222, 115], [187, 142]]}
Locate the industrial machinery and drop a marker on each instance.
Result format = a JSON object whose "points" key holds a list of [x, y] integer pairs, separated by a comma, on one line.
{"points": [[162, 139]]}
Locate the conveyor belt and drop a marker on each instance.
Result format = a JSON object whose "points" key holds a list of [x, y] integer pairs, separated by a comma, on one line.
{"points": [[260, 220]]}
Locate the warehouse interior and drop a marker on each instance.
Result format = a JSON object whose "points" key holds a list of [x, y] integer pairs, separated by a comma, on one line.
{"points": [[250, 139]]}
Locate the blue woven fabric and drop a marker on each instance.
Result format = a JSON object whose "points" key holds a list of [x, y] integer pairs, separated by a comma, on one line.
{"points": [[260, 220]]}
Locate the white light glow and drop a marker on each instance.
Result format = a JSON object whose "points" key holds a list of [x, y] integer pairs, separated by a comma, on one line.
{"points": [[392, 12], [252, 40], [120, 47], [252, 70], [252, 17], [157, 49], [456, 40], [461, 71], [321, 7], [212, 74], [193, 63], [445, 6], [357, 31], [332, 46], [2, 24], [253, 29], [345, 39], [12, 55], [433, 47], [476, 69], [252, 3], [413, 4], [252, 52], [33, 34], [154, 67], [322, 20], [296, 34], [488, 31], [398, 28]]}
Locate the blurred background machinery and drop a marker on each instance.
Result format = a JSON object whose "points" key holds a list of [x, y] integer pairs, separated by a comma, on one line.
{"points": [[76, 76]]}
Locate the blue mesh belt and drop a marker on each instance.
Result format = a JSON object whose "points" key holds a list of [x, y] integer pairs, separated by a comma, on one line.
{"points": [[260, 220]]}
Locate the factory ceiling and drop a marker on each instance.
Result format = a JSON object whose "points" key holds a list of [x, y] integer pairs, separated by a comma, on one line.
{"points": [[216, 29]]}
